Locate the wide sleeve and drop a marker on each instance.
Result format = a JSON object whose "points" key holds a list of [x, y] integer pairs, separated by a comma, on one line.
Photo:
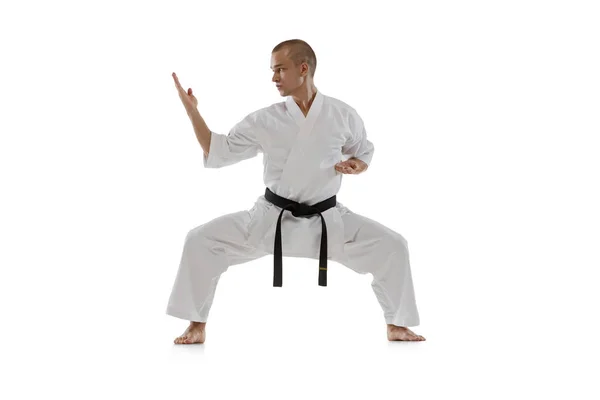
{"points": [[239, 144], [358, 146]]}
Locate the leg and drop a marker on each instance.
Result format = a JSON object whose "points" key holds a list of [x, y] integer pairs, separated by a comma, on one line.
{"points": [[208, 251], [371, 247]]}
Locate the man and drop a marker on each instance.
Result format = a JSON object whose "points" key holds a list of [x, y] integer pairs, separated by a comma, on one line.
{"points": [[303, 140]]}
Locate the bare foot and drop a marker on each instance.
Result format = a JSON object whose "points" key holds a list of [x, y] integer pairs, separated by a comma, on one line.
{"points": [[402, 333], [195, 333]]}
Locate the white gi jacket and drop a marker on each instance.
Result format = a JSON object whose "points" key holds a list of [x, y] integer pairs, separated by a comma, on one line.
{"points": [[299, 154]]}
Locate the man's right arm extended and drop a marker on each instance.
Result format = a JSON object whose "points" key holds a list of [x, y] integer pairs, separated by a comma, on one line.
{"points": [[200, 129], [239, 144]]}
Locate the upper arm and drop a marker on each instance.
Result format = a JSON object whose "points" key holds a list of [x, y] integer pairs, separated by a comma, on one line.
{"points": [[358, 146], [239, 144]]}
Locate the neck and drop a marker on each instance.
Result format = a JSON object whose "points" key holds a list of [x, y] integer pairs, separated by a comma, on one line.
{"points": [[304, 97]]}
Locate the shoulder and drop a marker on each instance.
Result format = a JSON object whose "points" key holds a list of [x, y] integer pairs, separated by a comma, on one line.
{"points": [[348, 114], [259, 119], [337, 103], [342, 108], [265, 112], [256, 116]]}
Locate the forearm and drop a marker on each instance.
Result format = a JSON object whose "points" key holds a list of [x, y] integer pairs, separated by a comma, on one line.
{"points": [[200, 129]]}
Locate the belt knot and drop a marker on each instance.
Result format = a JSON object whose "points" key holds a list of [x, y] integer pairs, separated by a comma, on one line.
{"points": [[302, 210]]}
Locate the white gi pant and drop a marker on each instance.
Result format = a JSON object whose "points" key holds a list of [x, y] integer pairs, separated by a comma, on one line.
{"points": [[370, 247]]}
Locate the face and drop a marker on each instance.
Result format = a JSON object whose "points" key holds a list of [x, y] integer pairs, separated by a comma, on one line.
{"points": [[287, 75]]}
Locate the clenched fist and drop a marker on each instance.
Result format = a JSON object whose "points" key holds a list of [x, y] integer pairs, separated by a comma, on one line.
{"points": [[351, 166]]}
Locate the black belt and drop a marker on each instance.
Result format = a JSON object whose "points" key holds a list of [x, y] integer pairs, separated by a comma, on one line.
{"points": [[300, 210]]}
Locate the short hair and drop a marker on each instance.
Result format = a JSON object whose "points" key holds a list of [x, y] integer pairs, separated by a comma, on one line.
{"points": [[299, 51]]}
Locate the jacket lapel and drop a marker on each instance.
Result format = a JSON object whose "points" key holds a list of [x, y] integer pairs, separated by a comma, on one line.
{"points": [[292, 171]]}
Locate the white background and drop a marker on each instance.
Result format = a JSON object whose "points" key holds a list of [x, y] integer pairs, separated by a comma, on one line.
{"points": [[484, 116]]}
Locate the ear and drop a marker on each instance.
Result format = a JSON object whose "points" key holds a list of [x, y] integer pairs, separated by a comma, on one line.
{"points": [[304, 68]]}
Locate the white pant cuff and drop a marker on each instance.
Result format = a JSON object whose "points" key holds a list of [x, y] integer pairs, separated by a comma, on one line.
{"points": [[189, 316]]}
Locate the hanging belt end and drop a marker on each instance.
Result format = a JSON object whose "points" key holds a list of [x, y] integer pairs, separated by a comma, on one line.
{"points": [[322, 276]]}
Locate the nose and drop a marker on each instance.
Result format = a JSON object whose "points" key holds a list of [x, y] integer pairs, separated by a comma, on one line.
{"points": [[275, 78]]}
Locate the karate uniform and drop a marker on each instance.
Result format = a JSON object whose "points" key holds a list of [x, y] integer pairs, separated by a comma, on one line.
{"points": [[299, 155]]}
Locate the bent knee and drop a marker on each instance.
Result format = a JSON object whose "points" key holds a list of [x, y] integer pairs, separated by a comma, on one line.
{"points": [[201, 236], [195, 233], [396, 243]]}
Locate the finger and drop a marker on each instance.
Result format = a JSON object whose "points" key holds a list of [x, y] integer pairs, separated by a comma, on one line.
{"points": [[179, 88], [176, 79], [177, 84]]}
